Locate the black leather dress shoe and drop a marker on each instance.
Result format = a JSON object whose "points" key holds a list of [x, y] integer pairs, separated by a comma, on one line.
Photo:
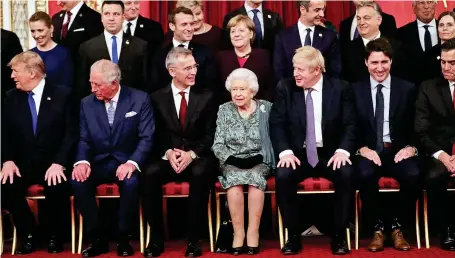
{"points": [[96, 248], [27, 246], [293, 246], [124, 249], [153, 250], [193, 250], [237, 250], [339, 245], [448, 240], [252, 250], [55, 245]]}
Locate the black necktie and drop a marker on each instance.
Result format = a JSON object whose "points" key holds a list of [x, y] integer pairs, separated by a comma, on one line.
{"points": [[128, 30], [427, 38], [379, 117], [307, 38]]}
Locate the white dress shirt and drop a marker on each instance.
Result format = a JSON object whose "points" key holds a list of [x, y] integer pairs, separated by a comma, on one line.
{"points": [[175, 43], [260, 15], [38, 94], [386, 92], [302, 32], [119, 39], [452, 88], [433, 33], [115, 102], [133, 25], [316, 95], [353, 26], [73, 12], [366, 41]]}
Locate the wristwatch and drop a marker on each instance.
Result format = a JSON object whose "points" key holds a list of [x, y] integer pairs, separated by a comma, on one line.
{"points": [[193, 155]]}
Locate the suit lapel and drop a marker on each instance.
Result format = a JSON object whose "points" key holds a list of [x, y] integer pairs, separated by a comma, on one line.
{"points": [[78, 19], [45, 109], [368, 104], [140, 27], [297, 43], [169, 99], [317, 37], [126, 42], [267, 23], [327, 93], [24, 111], [445, 92], [101, 114], [123, 105], [395, 96], [415, 36], [299, 105], [58, 26], [192, 105], [242, 10], [103, 50]]}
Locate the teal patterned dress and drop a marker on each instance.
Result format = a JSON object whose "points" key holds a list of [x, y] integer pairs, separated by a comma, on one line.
{"points": [[240, 137]]}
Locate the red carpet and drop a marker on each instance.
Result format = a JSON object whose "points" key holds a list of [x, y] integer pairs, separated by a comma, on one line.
{"points": [[314, 247]]}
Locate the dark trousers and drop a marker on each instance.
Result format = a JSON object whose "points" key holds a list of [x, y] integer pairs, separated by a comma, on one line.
{"points": [[84, 193], [57, 199], [200, 174], [406, 172], [287, 181], [441, 204]]}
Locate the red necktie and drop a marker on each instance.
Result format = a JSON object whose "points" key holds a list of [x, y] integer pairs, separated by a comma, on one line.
{"points": [[66, 25], [183, 106]]}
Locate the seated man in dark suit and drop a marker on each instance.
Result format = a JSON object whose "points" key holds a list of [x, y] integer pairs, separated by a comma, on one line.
{"points": [[435, 126], [180, 22], [313, 143], [185, 120], [385, 114], [307, 33], [39, 132], [117, 127], [353, 55], [129, 52]]}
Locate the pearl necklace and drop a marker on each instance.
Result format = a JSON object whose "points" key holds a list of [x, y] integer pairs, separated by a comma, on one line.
{"points": [[203, 30]]}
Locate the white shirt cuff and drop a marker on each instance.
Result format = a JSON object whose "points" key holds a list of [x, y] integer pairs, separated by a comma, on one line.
{"points": [[80, 162], [285, 152], [343, 151], [135, 164], [165, 155], [436, 154]]}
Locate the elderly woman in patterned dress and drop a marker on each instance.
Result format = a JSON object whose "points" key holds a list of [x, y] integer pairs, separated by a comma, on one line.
{"points": [[244, 149]]}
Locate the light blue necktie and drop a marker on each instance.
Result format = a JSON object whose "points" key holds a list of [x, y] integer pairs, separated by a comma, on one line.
{"points": [[311, 148], [111, 113], [114, 50], [32, 105]]}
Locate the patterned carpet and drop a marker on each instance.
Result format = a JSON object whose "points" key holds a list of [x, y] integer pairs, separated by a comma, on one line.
{"points": [[314, 247]]}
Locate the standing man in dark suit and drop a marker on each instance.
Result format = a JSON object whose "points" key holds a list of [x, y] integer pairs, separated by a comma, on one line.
{"points": [[313, 143], [369, 20], [180, 22], [141, 27], [307, 33], [349, 31], [418, 38], [116, 137], [435, 125], [39, 132], [75, 24], [385, 114], [267, 23], [10, 47], [129, 52], [185, 119]]}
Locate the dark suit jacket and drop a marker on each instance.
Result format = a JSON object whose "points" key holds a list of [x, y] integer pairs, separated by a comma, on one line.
{"points": [[288, 117], [388, 27], [130, 138], [56, 131], [86, 25], [425, 65], [10, 47], [151, 32], [272, 26], [199, 129], [258, 62], [325, 40], [132, 61], [435, 116], [401, 114], [207, 74], [354, 68]]}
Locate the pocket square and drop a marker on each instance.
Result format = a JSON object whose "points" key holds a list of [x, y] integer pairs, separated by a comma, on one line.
{"points": [[130, 114], [76, 30]]}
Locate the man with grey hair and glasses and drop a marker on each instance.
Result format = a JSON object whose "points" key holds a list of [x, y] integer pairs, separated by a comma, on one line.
{"points": [[116, 137]]}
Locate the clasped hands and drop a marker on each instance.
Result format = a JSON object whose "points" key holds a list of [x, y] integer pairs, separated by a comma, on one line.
{"points": [[179, 159], [338, 160], [53, 176], [449, 162], [82, 171]]}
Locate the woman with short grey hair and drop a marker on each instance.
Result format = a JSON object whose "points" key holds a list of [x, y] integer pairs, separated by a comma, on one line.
{"points": [[243, 147]]}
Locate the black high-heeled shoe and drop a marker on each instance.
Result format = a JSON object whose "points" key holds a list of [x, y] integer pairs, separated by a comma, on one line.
{"points": [[237, 250], [252, 250]]}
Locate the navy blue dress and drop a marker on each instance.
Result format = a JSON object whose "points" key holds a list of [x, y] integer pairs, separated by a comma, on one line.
{"points": [[59, 67]]}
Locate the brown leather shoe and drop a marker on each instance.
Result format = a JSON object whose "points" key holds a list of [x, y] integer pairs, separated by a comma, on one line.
{"points": [[399, 242], [377, 243]]}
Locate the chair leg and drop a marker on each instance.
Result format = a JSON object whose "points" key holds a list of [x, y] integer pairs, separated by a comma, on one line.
{"points": [[209, 215], [218, 214], [280, 229], [273, 206], [73, 226], [13, 251], [348, 238], [356, 220], [141, 228], [148, 234], [81, 234], [1, 233], [425, 219], [165, 225], [417, 224]]}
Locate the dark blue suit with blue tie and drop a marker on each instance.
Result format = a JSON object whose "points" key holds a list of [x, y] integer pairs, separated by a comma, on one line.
{"points": [[106, 148]]}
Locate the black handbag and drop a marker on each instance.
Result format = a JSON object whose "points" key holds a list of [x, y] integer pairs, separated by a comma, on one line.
{"points": [[226, 232]]}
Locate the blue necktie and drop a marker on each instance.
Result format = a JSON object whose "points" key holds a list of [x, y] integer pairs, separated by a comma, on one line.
{"points": [[31, 104], [111, 112], [114, 50], [257, 24], [310, 139], [356, 33], [308, 38]]}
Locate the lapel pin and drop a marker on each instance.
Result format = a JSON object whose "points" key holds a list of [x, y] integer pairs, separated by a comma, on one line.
{"points": [[80, 15], [61, 15], [320, 35], [127, 42], [269, 16], [438, 57], [48, 98], [141, 25]]}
